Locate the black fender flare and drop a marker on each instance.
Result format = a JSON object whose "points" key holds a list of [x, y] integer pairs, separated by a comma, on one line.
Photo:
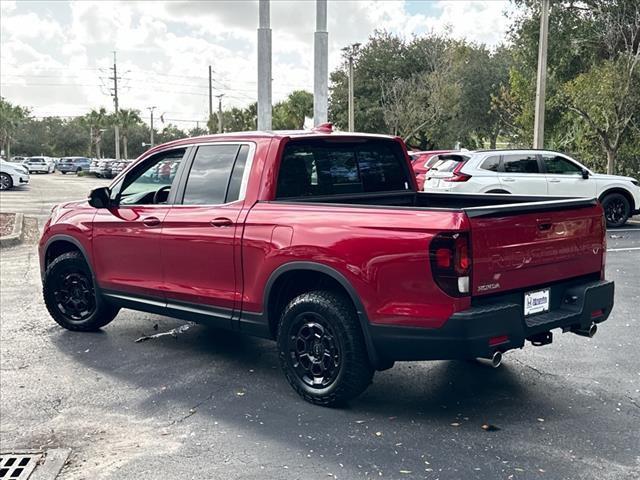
{"points": [[377, 362], [65, 238]]}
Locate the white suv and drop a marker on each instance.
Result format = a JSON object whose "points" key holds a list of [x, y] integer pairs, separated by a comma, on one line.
{"points": [[12, 175], [534, 172]]}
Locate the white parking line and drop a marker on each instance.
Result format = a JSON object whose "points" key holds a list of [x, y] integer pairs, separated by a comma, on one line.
{"points": [[622, 249]]}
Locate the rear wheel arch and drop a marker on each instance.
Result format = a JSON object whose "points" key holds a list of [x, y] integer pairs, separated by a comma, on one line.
{"points": [[499, 190], [295, 278]]}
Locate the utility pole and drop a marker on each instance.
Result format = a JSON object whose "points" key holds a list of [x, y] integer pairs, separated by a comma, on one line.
{"points": [[320, 65], [115, 102], [151, 109], [219, 97], [264, 66], [210, 101], [538, 130], [350, 52]]}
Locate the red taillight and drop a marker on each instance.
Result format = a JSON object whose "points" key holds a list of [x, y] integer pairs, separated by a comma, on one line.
{"points": [[450, 255], [457, 175], [443, 257]]}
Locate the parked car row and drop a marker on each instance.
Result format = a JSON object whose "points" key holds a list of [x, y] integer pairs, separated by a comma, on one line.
{"points": [[526, 172], [108, 167]]}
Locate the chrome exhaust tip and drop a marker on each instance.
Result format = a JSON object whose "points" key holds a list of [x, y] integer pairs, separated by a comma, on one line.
{"points": [[587, 332], [495, 360]]}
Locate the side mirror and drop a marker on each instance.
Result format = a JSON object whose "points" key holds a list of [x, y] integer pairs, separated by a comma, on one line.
{"points": [[585, 173], [99, 197]]}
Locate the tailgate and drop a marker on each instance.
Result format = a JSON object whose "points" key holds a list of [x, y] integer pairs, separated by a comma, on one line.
{"points": [[517, 250]]}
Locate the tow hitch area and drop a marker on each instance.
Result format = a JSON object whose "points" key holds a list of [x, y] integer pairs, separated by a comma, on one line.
{"points": [[540, 339]]}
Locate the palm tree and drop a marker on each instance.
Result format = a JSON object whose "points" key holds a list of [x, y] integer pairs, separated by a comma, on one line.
{"points": [[97, 121], [127, 119]]}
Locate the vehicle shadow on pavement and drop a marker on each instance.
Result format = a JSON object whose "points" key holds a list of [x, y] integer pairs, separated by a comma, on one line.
{"points": [[205, 382], [227, 363]]}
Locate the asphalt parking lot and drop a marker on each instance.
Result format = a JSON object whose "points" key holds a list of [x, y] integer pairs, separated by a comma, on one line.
{"points": [[211, 404]]}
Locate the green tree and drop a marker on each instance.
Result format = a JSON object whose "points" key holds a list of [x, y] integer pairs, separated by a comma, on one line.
{"points": [[607, 98], [11, 119], [97, 121], [127, 119]]}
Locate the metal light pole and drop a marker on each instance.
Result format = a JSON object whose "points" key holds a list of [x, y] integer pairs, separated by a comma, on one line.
{"points": [[264, 67], [151, 109], [210, 100], [116, 126], [320, 65], [538, 130], [350, 52], [219, 97]]}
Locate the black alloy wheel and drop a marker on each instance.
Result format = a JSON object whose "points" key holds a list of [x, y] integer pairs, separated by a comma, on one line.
{"points": [[74, 295], [616, 209], [314, 351]]}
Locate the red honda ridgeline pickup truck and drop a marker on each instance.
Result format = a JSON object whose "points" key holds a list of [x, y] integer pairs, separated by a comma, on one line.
{"points": [[320, 241]]}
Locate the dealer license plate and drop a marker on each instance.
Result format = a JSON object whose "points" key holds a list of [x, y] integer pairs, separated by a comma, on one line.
{"points": [[536, 301]]}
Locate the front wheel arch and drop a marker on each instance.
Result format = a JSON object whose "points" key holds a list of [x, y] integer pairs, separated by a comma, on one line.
{"points": [[58, 245], [622, 192]]}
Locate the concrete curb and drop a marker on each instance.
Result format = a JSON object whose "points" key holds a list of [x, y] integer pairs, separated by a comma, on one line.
{"points": [[15, 237]]}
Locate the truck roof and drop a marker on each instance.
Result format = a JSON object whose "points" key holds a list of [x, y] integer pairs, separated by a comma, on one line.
{"points": [[258, 134]]}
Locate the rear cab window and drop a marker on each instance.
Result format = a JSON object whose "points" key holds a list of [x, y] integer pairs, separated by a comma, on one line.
{"points": [[312, 168]]}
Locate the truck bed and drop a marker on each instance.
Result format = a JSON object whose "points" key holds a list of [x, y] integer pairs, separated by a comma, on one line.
{"points": [[474, 205]]}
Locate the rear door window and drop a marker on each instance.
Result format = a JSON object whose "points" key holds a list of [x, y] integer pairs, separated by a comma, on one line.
{"points": [[209, 175], [520, 163]]}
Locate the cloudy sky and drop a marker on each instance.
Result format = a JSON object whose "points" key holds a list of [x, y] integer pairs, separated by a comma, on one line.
{"points": [[55, 56]]}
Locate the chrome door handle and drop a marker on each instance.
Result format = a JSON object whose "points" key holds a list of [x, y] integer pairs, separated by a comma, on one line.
{"points": [[221, 222], [151, 221], [509, 179]]}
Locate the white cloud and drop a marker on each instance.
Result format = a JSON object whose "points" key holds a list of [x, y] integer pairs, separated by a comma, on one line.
{"points": [[164, 49]]}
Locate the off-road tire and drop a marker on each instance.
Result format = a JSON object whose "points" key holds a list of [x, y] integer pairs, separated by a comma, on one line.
{"points": [[73, 263], [354, 373]]}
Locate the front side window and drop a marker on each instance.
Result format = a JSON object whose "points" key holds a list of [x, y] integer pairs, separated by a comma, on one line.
{"points": [[151, 181], [312, 168], [556, 164], [210, 174], [521, 163]]}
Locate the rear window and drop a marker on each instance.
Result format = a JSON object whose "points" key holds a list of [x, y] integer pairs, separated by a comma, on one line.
{"points": [[449, 162], [312, 168]]}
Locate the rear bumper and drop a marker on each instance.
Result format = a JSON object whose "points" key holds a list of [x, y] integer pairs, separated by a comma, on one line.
{"points": [[486, 328]]}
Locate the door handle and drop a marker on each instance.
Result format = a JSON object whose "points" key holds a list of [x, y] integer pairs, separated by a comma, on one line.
{"points": [[221, 222], [554, 180], [508, 179], [151, 221], [544, 224]]}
